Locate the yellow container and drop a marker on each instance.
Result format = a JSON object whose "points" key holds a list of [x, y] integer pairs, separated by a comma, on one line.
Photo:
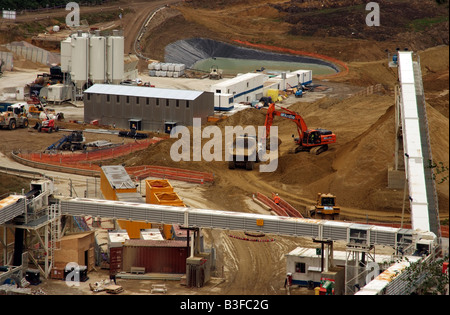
{"points": [[156, 186], [167, 199], [134, 227], [273, 94], [123, 185], [167, 231]]}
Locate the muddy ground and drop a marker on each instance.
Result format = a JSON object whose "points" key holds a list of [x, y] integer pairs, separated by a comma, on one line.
{"points": [[355, 168]]}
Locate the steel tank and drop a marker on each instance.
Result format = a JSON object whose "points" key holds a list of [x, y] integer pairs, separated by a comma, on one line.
{"points": [[115, 62]]}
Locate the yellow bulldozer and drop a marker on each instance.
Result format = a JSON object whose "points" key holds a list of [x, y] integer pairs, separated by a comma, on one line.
{"points": [[325, 208]]}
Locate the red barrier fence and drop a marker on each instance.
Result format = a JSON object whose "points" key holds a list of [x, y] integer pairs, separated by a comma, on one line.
{"points": [[141, 172], [72, 162], [289, 209], [272, 205], [89, 156]]}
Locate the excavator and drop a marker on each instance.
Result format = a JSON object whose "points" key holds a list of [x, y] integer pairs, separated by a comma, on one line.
{"points": [[314, 141]]}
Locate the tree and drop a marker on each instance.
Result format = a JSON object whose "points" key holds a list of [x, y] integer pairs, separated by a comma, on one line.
{"points": [[429, 277]]}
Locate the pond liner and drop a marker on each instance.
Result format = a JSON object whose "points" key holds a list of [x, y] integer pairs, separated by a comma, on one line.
{"points": [[190, 51]]}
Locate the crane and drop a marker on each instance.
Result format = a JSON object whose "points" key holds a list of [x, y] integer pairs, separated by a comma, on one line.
{"points": [[314, 141]]}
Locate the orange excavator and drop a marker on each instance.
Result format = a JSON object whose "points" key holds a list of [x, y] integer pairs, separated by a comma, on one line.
{"points": [[314, 141]]}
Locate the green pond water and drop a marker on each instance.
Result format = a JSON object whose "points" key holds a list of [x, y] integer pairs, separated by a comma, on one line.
{"points": [[233, 66]]}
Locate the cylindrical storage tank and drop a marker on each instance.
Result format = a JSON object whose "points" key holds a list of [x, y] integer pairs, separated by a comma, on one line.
{"points": [[80, 54], [97, 71], [66, 54], [115, 61]]}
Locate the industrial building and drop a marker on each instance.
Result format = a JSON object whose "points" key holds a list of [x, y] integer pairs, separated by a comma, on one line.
{"points": [[149, 109]]}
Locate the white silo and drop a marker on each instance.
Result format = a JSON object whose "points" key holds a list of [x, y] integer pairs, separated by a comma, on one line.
{"points": [[80, 57], [97, 61], [66, 54], [115, 62]]}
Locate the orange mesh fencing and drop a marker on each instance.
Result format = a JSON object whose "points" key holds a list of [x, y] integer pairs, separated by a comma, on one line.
{"points": [[72, 161], [90, 156]]}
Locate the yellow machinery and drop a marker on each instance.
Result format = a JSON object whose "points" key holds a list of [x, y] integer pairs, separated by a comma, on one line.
{"points": [[325, 207]]}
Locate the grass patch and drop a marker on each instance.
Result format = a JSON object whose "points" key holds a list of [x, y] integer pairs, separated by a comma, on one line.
{"points": [[12, 184], [421, 24]]}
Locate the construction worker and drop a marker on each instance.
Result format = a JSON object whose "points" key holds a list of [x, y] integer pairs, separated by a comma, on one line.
{"points": [[276, 199]]}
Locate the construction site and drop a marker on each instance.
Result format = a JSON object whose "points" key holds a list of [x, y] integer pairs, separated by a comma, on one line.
{"points": [[313, 149]]}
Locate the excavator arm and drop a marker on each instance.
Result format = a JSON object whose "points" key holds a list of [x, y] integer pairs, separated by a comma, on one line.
{"points": [[314, 141], [288, 114]]}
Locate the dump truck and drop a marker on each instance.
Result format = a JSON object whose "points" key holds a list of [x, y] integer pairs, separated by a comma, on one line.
{"points": [[325, 207], [14, 116], [244, 152], [215, 73]]}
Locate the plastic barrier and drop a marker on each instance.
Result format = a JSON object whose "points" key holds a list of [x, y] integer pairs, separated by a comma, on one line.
{"points": [[277, 209], [299, 52]]}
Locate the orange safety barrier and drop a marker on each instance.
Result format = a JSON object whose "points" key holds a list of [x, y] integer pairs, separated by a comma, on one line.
{"points": [[141, 172], [96, 155], [73, 161], [289, 209], [272, 205], [299, 52]]}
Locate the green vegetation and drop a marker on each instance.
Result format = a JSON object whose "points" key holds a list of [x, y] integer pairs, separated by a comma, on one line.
{"points": [[422, 24], [433, 280], [12, 184]]}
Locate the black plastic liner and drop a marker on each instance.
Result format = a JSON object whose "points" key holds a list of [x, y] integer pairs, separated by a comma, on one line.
{"points": [[189, 51]]}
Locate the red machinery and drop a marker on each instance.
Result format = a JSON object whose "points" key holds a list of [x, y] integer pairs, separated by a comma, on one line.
{"points": [[47, 126], [314, 141]]}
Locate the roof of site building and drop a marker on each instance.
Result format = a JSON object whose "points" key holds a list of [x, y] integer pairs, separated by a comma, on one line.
{"points": [[143, 91]]}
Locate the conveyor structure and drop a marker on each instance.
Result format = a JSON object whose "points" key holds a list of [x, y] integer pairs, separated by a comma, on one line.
{"points": [[402, 240], [416, 145]]}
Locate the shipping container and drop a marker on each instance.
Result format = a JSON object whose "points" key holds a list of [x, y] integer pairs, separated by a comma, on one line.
{"points": [[115, 260], [156, 256]]}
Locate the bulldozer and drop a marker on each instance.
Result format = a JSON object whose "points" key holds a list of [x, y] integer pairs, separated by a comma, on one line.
{"points": [[325, 208]]}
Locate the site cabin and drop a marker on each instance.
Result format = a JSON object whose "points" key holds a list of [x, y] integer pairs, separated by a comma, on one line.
{"points": [[77, 248], [304, 268], [243, 88]]}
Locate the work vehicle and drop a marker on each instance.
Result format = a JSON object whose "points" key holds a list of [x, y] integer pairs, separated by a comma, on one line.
{"points": [[73, 142], [215, 73], [314, 141], [244, 152], [47, 126], [14, 116], [325, 207]]}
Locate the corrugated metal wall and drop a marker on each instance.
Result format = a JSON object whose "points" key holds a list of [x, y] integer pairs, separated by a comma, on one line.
{"points": [[153, 112], [156, 259]]}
